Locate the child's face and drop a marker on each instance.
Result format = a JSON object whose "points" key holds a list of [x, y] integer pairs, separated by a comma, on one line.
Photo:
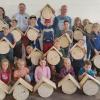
{"points": [[67, 62], [33, 21], [28, 50], [96, 30], [6, 30], [21, 64], [42, 63], [87, 67], [13, 23], [66, 25], [5, 66]]}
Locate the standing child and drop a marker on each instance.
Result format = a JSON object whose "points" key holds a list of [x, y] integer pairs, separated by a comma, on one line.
{"points": [[5, 74], [32, 24], [22, 71], [66, 68], [42, 70], [18, 47], [86, 69]]}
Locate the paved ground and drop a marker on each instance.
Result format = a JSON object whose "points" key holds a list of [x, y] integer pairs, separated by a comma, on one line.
{"points": [[58, 95]]}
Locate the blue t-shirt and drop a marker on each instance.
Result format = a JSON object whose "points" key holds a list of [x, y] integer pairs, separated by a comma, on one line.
{"points": [[9, 37], [90, 72], [96, 41]]}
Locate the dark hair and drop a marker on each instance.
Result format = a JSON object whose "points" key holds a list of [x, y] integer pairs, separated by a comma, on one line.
{"points": [[87, 62], [3, 11], [33, 16], [66, 21], [22, 4], [14, 20]]}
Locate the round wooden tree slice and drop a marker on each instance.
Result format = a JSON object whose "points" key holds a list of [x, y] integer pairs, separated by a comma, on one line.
{"points": [[2, 95], [53, 57], [45, 90], [32, 34], [77, 53], [47, 13], [17, 35], [4, 47], [35, 57], [78, 35], [97, 61], [68, 87], [64, 41], [90, 88], [20, 93]]}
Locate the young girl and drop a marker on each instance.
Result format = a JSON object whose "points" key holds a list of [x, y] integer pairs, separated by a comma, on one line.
{"points": [[22, 71], [77, 24], [86, 69], [42, 70], [5, 74], [66, 68]]}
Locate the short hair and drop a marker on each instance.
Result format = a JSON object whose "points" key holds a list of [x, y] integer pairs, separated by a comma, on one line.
{"points": [[66, 21], [33, 16], [22, 4], [87, 62]]}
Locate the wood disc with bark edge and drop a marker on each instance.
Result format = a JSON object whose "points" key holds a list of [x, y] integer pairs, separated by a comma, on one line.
{"points": [[90, 88], [45, 90], [78, 35], [77, 53], [53, 57], [32, 34], [64, 41], [97, 61], [2, 95], [4, 47], [17, 35], [20, 92], [68, 87]]}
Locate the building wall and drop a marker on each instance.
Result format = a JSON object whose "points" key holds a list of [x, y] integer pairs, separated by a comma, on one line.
{"points": [[82, 8]]}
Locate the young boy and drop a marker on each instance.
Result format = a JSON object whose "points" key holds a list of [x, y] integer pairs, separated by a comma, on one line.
{"points": [[32, 24], [7, 36], [47, 29], [86, 69]]}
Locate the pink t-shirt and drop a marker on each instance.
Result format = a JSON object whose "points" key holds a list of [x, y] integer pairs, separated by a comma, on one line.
{"points": [[42, 72], [5, 76]]}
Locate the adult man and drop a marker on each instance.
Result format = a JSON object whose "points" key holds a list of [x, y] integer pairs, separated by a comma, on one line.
{"points": [[59, 20], [22, 17]]}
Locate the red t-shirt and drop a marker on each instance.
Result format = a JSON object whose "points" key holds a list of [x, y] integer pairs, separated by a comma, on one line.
{"points": [[5, 76]]}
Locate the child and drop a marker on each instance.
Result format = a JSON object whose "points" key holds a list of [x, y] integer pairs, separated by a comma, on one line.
{"points": [[7, 36], [22, 71], [48, 34], [42, 70], [66, 68], [18, 47], [77, 24], [5, 74], [61, 50], [32, 24], [77, 64], [86, 69]]}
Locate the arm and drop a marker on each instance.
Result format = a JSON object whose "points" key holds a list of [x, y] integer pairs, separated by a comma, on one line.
{"points": [[36, 75], [48, 73]]}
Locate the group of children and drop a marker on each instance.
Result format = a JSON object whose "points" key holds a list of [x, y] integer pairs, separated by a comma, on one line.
{"points": [[13, 69]]}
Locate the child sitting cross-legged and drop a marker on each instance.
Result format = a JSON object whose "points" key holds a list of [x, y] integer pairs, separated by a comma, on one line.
{"points": [[22, 71]]}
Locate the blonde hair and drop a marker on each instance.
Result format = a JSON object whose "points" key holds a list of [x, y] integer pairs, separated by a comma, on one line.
{"points": [[21, 60]]}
